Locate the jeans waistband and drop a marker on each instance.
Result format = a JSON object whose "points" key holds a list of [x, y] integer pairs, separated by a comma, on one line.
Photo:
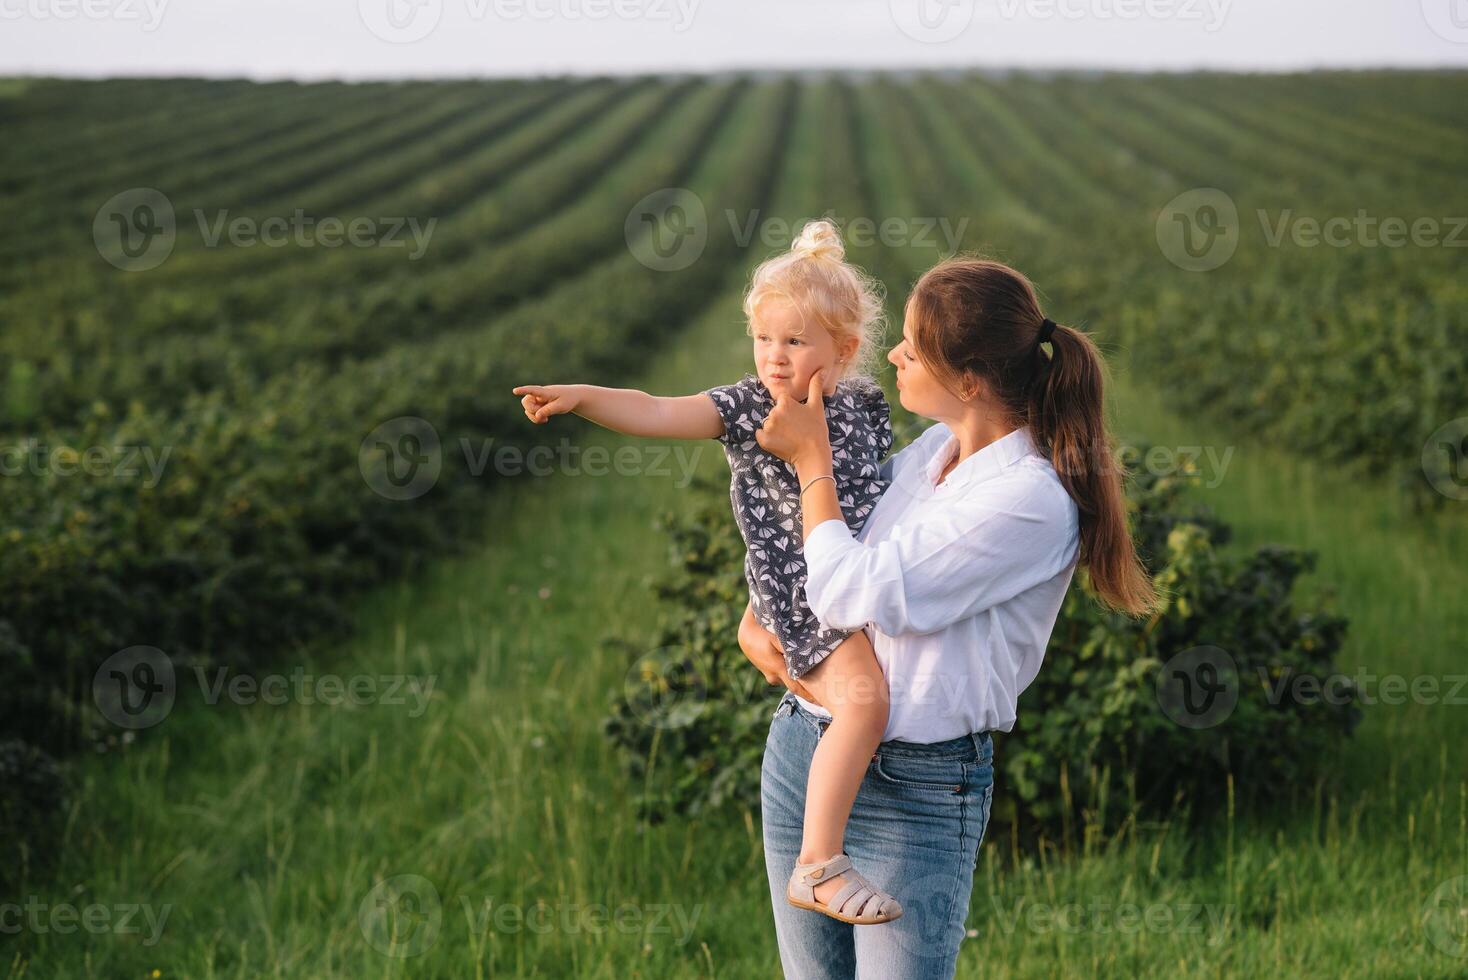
{"points": [[976, 745]]}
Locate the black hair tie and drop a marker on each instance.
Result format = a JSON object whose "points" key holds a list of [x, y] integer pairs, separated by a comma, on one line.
{"points": [[1047, 330]]}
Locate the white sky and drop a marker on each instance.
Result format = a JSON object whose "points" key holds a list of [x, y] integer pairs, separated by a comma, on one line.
{"points": [[332, 38]]}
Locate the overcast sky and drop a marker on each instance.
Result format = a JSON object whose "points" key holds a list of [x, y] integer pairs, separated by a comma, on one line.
{"points": [[419, 38]]}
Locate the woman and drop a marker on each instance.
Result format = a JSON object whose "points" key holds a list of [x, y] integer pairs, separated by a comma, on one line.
{"points": [[959, 574]]}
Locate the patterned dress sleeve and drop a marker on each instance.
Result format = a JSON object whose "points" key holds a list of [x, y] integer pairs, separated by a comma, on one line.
{"points": [[738, 405], [874, 400]]}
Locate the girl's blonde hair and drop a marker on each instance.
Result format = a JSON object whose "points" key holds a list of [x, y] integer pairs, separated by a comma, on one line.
{"points": [[816, 279]]}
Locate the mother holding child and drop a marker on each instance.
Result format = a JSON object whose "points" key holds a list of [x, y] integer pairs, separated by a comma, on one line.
{"points": [[904, 603]]}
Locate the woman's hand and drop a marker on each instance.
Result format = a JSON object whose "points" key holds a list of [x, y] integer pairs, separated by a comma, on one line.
{"points": [[763, 650], [543, 401], [797, 432]]}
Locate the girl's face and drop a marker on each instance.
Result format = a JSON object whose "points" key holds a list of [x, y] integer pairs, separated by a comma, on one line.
{"points": [[918, 389], [787, 351]]}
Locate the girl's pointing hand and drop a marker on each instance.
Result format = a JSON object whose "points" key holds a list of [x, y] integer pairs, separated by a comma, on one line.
{"points": [[542, 401]]}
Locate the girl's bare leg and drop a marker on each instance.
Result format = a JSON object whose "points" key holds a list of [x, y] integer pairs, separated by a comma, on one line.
{"points": [[849, 684]]}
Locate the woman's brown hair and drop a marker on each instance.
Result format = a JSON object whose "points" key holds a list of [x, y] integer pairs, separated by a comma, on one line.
{"points": [[979, 319]]}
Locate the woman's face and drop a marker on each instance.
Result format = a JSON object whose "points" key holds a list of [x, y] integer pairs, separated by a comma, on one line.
{"points": [[917, 388], [787, 351]]}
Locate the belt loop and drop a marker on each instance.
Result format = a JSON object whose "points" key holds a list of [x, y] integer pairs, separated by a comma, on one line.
{"points": [[978, 739]]}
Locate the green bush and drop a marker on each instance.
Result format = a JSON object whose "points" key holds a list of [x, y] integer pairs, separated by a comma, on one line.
{"points": [[1093, 741]]}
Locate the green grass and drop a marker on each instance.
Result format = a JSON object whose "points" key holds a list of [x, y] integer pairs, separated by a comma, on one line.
{"points": [[264, 828], [261, 830]]}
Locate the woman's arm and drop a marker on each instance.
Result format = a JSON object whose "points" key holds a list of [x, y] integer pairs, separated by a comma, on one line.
{"points": [[948, 563], [763, 650], [626, 410], [797, 433]]}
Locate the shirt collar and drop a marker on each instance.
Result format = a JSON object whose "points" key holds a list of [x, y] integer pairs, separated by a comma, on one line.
{"points": [[983, 464]]}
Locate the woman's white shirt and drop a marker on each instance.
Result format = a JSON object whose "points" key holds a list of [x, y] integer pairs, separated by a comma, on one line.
{"points": [[958, 583]]}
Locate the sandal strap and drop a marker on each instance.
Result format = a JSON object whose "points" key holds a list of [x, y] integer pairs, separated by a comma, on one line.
{"points": [[812, 873], [857, 891]]}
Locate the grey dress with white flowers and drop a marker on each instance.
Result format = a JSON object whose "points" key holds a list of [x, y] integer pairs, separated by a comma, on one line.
{"points": [[766, 497]]}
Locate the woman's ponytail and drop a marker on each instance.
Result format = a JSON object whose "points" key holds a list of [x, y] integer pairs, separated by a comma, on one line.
{"points": [[983, 318], [1068, 423]]}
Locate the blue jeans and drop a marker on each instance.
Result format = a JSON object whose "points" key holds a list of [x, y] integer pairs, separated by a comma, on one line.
{"points": [[914, 832]]}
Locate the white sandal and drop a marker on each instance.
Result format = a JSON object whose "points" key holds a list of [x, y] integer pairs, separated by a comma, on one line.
{"points": [[858, 902]]}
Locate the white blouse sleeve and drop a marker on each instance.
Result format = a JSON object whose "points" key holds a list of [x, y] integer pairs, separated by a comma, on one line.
{"points": [[951, 561]]}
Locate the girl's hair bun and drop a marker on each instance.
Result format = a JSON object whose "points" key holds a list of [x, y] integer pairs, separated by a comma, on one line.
{"points": [[819, 240]]}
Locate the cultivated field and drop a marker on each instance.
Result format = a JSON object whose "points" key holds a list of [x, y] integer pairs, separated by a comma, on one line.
{"points": [[219, 300]]}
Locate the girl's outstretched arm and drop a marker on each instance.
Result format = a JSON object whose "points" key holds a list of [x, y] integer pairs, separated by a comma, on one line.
{"points": [[626, 410]]}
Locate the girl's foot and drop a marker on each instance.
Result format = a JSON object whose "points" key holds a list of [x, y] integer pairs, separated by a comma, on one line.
{"points": [[857, 902]]}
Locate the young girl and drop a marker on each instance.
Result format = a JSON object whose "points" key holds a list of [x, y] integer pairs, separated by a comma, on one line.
{"points": [[809, 311]]}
